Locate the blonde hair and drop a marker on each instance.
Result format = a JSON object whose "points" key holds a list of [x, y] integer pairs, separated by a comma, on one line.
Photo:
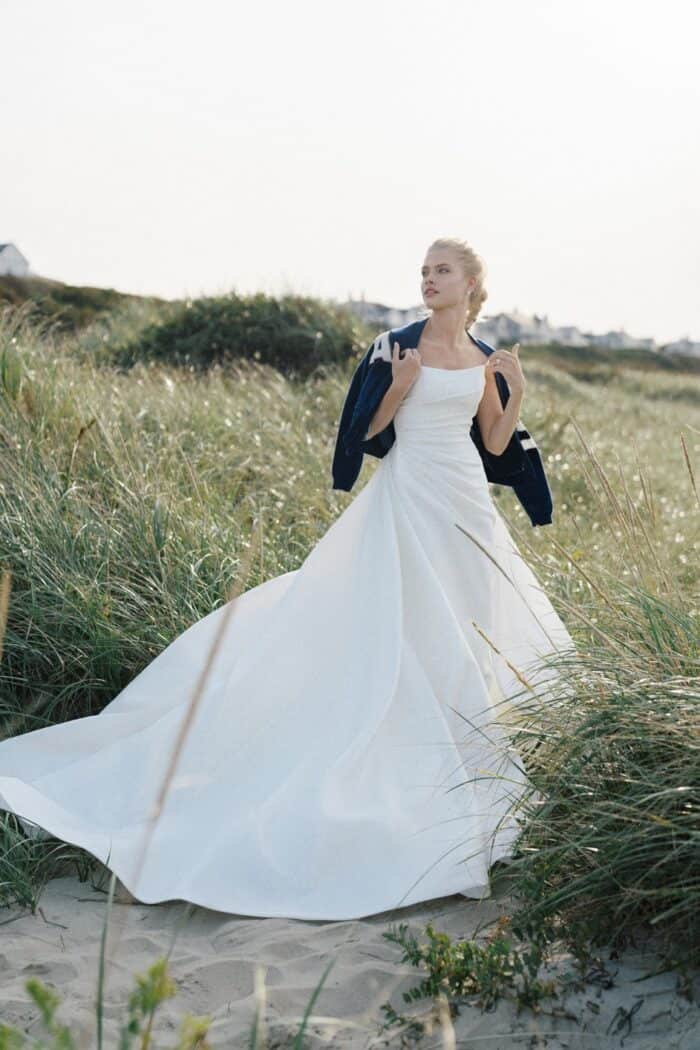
{"points": [[473, 266]]}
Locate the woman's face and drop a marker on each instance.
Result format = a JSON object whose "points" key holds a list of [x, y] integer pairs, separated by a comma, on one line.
{"points": [[442, 280]]}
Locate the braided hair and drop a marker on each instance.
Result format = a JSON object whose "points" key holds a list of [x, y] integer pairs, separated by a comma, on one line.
{"points": [[473, 266]]}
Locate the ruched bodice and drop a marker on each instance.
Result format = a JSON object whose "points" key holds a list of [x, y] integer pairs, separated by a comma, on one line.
{"points": [[435, 416]]}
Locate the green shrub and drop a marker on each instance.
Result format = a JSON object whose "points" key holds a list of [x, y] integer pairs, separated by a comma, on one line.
{"points": [[296, 335]]}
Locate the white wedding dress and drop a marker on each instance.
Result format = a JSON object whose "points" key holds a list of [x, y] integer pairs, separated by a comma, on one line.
{"points": [[347, 755]]}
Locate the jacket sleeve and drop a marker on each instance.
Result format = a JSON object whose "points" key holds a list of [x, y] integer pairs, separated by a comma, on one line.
{"points": [[364, 393], [374, 382], [533, 491], [504, 469]]}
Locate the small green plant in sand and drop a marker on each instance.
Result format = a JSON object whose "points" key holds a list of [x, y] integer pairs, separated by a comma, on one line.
{"points": [[466, 970], [152, 988]]}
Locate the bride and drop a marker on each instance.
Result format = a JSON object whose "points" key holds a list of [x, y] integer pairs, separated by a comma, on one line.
{"points": [[348, 753]]}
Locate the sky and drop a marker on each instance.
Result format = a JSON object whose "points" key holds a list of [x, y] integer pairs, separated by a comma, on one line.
{"points": [[176, 149]]}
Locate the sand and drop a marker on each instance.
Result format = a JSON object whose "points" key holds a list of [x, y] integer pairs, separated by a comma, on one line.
{"points": [[216, 956]]}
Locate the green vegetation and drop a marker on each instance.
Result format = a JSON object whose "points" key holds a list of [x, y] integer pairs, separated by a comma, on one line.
{"points": [[598, 364], [137, 486], [298, 336], [67, 307]]}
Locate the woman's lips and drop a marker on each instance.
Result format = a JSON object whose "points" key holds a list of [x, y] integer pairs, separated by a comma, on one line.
{"points": [[431, 291]]}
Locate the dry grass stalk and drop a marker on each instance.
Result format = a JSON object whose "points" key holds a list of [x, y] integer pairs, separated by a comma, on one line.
{"points": [[197, 693], [510, 581], [4, 605], [690, 468]]}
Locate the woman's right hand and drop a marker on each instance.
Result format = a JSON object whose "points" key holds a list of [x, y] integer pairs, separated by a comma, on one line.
{"points": [[404, 370]]}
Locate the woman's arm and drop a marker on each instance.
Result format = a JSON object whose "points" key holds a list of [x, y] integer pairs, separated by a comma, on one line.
{"points": [[404, 373], [387, 408], [496, 422]]}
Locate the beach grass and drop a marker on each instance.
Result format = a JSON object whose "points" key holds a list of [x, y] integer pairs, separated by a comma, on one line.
{"points": [[133, 502]]}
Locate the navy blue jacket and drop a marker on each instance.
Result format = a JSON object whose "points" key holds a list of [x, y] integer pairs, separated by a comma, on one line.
{"points": [[519, 466]]}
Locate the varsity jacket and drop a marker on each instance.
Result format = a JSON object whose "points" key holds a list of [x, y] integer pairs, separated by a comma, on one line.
{"points": [[519, 465]]}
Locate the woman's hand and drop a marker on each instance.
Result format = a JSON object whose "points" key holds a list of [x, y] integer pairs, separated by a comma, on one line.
{"points": [[508, 364], [404, 370]]}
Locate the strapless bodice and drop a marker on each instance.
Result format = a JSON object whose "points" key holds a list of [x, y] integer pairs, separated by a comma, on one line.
{"points": [[436, 413]]}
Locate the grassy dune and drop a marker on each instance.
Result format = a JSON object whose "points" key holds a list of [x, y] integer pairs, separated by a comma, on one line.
{"points": [[133, 500], [67, 307]]}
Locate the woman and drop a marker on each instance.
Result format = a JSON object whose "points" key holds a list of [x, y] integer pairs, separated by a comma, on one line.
{"points": [[348, 753]]}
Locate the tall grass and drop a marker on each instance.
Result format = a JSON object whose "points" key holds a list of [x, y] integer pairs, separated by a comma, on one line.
{"points": [[130, 506], [611, 840], [127, 504]]}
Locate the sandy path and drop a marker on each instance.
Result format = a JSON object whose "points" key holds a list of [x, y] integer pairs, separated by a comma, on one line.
{"points": [[215, 958]]}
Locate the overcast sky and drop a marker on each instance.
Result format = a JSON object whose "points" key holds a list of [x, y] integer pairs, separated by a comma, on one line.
{"points": [[185, 148]]}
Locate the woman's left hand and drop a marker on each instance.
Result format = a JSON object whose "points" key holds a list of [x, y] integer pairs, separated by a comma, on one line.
{"points": [[508, 364]]}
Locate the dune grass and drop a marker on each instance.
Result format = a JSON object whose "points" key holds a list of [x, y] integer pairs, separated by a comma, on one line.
{"points": [[132, 503]]}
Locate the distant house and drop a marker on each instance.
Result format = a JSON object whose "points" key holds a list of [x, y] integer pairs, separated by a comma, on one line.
{"points": [[686, 347], [379, 314], [12, 262]]}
